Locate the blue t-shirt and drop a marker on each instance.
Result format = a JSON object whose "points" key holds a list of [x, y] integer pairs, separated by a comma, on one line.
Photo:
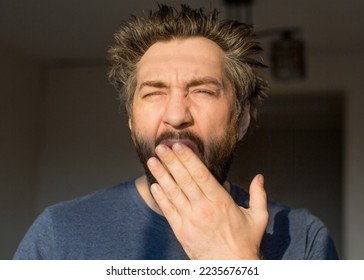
{"points": [[115, 223]]}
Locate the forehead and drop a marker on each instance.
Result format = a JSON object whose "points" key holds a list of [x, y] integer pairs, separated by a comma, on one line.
{"points": [[184, 58]]}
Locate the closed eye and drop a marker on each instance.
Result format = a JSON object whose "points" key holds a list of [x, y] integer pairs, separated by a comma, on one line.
{"points": [[210, 86], [205, 91], [154, 93]]}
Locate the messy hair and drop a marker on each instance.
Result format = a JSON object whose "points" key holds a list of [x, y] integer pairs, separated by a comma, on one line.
{"points": [[236, 39]]}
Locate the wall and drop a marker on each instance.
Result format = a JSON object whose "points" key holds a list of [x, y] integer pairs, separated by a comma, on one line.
{"points": [[20, 113], [86, 144]]}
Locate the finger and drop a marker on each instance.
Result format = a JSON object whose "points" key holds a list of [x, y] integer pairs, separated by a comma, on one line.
{"points": [[168, 209], [166, 182], [258, 197], [179, 172], [199, 172]]}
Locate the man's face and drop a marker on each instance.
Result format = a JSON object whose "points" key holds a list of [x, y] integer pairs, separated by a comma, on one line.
{"points": [[183, 95]]}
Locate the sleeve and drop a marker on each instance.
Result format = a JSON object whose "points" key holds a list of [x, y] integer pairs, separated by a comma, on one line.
{"points": [[38, 242], [319, 244]]}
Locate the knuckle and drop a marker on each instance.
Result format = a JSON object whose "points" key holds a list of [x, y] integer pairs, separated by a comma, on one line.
{"points": [[201, 176], [185, 180], [169, 158], [159, 172], [225, 206], [205, 215], [173, 193], [169, 212]]}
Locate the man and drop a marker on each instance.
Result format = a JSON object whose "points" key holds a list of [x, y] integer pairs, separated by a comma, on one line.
{"points": [[191, 88]]}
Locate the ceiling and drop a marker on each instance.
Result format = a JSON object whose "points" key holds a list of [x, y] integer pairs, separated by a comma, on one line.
{"points": [[83, 29]]}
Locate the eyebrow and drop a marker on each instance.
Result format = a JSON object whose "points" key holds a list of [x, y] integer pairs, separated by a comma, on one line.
{"points": [[155, 84], [192, 83], [203, 81]]}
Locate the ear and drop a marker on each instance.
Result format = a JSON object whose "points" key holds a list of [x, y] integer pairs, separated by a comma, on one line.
{"points": [[244, 121], [130, 122]]}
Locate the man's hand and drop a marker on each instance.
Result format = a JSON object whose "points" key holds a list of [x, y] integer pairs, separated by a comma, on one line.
{"points": [[203, 216]]}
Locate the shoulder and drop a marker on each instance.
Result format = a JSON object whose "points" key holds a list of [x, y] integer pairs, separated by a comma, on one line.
{"points": [[69, 220], [280, 214], [94, 202], [292, 233], [295, 233]]}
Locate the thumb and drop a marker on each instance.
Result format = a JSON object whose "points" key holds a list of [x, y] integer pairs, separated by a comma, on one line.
{"points": [[258, 196]]}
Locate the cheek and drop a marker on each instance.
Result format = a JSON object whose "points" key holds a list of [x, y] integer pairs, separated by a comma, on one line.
{"points": [[215, 123], [145, 122]]}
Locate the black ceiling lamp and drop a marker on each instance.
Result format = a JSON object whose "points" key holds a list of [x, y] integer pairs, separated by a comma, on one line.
{"points": [[287, 52], [287, 57]]}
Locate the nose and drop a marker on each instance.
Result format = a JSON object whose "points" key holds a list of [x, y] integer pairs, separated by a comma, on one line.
{"points": [[177, 113]]}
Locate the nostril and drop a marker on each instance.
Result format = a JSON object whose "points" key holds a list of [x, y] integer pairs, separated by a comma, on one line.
{"points": [[178, 125], [177, 114]]}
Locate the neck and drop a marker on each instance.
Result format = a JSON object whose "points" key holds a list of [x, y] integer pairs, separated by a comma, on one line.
{"points": [[143, 188]]}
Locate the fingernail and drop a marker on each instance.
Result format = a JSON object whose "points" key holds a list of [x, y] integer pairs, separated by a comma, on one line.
{"points": [[154, 188], [261, 179], [161, 149], [152, 164], [177, 147]]}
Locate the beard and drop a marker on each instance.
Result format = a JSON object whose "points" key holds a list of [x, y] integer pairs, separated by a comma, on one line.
{"points": [[217, 154]]}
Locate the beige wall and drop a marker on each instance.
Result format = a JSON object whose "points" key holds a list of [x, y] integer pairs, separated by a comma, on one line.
{"points": [[72, 141]]}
